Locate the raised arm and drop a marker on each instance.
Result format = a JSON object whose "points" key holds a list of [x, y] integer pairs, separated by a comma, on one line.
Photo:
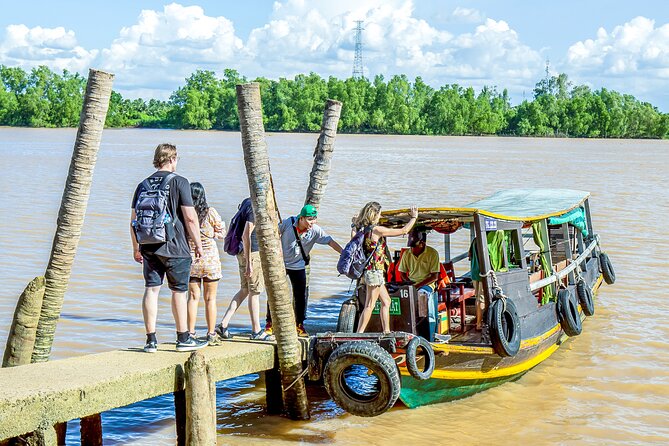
{"points": [[382, 231]]}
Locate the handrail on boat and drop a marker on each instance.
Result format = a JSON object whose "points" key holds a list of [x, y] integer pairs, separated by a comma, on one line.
{"points": [[572, 266]]}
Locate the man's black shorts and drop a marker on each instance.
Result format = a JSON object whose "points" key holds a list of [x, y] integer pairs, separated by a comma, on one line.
{"points": [[177, 271]]}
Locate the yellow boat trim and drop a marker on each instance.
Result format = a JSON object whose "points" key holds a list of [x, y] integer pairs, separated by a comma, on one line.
{"points": [[534, 341], [495, 373]]}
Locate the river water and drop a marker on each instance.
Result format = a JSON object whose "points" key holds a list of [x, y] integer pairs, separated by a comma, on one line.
{"points": [[609, 385]]}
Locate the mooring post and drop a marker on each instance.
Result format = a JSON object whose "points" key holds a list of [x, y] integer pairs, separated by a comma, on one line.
{"points": [[318, 179], [256, 160], [200, 422], [273, 391], [73, 208], [21, 338], [91, 430]]}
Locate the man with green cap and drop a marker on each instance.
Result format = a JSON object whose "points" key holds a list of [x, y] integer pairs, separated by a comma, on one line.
{"points": [[299, 234]]}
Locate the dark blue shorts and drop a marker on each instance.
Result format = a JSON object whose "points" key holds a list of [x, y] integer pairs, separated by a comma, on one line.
{"points": [[157, 267]]}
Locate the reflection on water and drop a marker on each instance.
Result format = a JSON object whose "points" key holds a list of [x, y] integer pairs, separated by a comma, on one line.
{"points": [[608, 385]]}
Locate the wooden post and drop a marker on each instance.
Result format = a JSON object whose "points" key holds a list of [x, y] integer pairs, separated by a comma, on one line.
{"points": [[21, 338], [320, 171], [200, 423], [91, 430], [256, 160], [73, 208]]}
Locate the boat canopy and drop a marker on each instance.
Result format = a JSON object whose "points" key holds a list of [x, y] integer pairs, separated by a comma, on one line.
{"points": [[526, 205]]}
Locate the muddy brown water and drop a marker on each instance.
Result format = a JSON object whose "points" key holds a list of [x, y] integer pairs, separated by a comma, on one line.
{"points": [[609, 385]]}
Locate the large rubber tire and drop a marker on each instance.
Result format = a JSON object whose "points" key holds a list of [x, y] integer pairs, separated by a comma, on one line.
{"points": [[347, 316], [607, 268], [378, 362], [585, 298], [505, 328], [568, 314], [412, 347]]}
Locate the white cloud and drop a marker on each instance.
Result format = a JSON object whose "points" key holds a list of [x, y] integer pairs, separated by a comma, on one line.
{"points": [[467, 15], [166, 46], [54, 47], [632, 58]]}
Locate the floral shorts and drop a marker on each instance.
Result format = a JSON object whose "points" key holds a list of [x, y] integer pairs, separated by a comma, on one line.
{"points": [[374, 277]]}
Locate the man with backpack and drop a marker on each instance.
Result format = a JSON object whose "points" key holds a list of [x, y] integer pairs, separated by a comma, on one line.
{"points": [[162, 214], [241, 241], [299, 234]]}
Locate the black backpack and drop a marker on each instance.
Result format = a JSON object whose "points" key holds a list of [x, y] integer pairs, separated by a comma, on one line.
{"points": [[153, 223], [233, 239]]}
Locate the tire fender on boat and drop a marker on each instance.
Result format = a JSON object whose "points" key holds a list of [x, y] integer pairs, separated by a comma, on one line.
{"points": [[567, 308], [347, 395], [505, 327], [347, 316], [418, 342], [607, 268], [585, 298]]}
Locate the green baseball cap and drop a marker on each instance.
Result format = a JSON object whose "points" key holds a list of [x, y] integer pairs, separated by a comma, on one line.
{"points": [[309, 211]]}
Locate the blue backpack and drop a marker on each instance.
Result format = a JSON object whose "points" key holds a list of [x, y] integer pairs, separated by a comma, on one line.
{"points": [[233, 239], [352, 260]]}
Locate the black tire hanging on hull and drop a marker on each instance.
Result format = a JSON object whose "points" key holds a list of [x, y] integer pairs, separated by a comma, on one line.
{"points": [[505, 328], [585, 298], [607, 268], [418, 342], [567, 309], [347, 316], [377, 361]]}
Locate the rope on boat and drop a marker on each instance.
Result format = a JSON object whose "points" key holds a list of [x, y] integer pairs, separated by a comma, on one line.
{"points": [[299, 377], [498, 293]]}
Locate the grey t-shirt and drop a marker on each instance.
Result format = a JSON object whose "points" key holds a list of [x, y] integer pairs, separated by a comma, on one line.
{"points": [[179, 188], [292, 256]]}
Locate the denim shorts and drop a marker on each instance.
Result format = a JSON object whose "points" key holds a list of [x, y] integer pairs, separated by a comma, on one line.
{"points": [[374, 277], [177, 270]]}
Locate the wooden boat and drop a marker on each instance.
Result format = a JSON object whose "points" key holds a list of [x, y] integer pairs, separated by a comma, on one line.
{"points": [[539, 263]]}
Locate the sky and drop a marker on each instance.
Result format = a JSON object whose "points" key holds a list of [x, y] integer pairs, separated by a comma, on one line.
{"points": [[153, 46]]}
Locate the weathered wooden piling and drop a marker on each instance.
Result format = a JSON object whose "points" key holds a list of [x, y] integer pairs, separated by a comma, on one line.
{"points": [[318, 179], [91, 430], [21, 338], [73, 208], [200, 402], [256, 160]]}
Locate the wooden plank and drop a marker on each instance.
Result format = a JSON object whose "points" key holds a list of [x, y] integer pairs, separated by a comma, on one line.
{"points": [[56, 391]]}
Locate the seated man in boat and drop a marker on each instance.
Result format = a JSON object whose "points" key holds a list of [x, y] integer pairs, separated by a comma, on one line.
{"points": [[420, 265]]}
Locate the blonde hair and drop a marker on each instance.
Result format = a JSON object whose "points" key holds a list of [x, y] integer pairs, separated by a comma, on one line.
{"points": [[163, 154], [369, 215]]}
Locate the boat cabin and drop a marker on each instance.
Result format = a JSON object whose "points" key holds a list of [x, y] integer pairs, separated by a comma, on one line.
{"points": [[519, 244]]}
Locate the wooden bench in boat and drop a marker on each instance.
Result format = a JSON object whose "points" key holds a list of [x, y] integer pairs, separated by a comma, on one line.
{"points": [[454, 294]]}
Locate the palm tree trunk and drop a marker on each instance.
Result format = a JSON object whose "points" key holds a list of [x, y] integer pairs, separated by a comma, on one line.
{"points": [[256, 160], [21, 339], [73, 208], [318, 179]]}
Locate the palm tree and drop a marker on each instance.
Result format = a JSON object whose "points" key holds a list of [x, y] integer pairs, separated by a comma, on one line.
{"points": [[318, 179], [73, 208], [256, 160]]}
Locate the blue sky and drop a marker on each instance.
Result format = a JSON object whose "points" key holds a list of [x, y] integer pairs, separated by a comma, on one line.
{"points": [[151, 46]]}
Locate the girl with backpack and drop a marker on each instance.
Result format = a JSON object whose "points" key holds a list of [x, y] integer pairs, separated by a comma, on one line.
{"points": [[205, 270], [375, 246]]}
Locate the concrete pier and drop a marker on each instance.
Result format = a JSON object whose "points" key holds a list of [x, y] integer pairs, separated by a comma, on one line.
{"points": [[36, 396]]}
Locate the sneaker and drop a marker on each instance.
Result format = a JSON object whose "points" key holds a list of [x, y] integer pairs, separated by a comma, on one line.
{"points": [[262, 335], [151, 347], [301, 332], [190, 344], [214, 339], [222, 331]]}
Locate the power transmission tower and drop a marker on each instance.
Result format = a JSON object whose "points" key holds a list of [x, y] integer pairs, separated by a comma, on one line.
{"points": [[358, 71]]}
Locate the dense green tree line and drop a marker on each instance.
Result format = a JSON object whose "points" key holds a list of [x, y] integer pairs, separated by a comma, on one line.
{"points": [[42, 98]]}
